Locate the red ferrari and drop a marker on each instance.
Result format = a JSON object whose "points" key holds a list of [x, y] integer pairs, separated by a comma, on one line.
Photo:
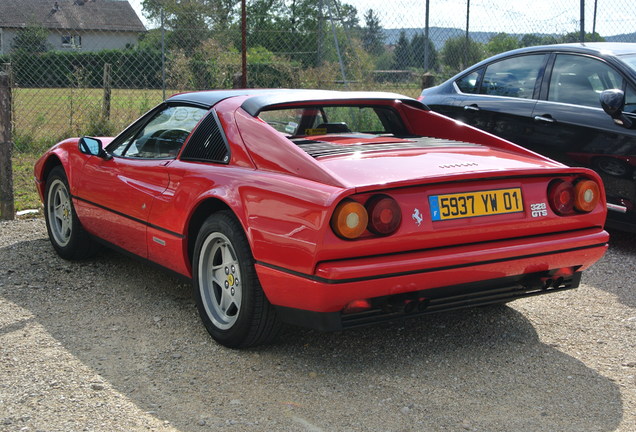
{"points": [[325, 209]]}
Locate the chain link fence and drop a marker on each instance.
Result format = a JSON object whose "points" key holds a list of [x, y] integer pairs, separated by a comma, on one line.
{"points": [[93, 66]]}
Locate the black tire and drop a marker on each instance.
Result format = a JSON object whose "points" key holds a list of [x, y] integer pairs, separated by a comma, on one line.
{"points": [[228, 294], [612, 166], [67, 236]]}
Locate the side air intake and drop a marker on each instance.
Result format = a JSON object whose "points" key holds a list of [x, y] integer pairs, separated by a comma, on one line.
{"points": [[208, 142]]}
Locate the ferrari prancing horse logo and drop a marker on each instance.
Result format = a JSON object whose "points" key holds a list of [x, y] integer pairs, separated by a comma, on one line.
{"points": [[417, 217]]}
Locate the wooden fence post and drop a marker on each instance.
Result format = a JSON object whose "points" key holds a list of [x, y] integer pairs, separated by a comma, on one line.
{"points": [[7, 205], [107, 92]]}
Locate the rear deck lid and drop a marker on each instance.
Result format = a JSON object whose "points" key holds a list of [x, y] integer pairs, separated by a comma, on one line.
{"points": [[367, 161]]}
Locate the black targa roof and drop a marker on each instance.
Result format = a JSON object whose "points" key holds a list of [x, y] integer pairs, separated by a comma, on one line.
{"points": [[268, 98]]}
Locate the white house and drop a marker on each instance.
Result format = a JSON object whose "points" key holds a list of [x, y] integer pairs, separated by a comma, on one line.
{"points": [[86, 25]]}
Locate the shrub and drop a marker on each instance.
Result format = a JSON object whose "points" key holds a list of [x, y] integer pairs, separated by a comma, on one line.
{"points": [[130, 68]]}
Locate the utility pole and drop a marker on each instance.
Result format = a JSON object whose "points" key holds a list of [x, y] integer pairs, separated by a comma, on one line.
{"points": [[582, 36]]}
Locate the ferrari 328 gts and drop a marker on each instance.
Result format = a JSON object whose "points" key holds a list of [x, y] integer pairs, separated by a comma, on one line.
{"points": [[322, 208]]}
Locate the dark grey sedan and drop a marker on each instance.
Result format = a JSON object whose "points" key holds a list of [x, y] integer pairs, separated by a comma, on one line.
{"points": [[575, 103]]}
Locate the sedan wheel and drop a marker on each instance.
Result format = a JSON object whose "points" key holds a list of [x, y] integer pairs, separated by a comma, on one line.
{"points": [[611, 166], [229, 297]]}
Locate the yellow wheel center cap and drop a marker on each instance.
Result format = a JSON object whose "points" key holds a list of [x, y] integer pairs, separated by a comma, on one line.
{"points": [[230, 279]]}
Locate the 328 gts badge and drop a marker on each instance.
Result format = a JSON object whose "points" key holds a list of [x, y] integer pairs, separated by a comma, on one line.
{"points": [[539, 210]]}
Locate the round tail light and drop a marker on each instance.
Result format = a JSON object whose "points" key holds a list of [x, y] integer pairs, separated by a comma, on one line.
{"points": [[384, 215], [586, 195], [561, 196], [349, 220]]}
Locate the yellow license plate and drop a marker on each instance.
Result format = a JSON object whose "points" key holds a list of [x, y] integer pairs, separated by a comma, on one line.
{"points": [[472, 204]]}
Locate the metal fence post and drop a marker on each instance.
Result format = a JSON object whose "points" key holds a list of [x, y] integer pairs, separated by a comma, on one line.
{"points": [[582, 32], [7, 206]]}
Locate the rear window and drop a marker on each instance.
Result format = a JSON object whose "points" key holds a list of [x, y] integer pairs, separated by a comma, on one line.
{"points": [[468, 83], [338, 119]]}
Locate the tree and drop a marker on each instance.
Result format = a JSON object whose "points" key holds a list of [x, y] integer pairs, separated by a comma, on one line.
{"points": [[529, 39], [402, 53], [348, 14], [423, 53], [534, 40], [216, 13], [415, 53], [190, 22], [576, 37], [265, 18], [501, 42], [31, 39], [372, 35], [297, 29], [459, 52]]}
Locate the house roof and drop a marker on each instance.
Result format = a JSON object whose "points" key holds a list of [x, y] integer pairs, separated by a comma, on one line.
{"points": [[70, 14]]}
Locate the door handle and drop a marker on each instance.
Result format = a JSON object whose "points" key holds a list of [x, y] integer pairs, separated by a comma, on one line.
{"points": [[547, 118], [472, 107]]}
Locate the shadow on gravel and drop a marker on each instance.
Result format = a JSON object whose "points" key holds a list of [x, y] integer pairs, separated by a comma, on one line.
{"points": [[616, 271], [481, 369]]}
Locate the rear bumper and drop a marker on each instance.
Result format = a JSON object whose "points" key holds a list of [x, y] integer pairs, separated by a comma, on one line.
{"points": [[389, 308], [515, 266]]}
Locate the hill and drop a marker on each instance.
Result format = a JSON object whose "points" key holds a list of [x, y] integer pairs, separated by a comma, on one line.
{"points": [[439, 35]]}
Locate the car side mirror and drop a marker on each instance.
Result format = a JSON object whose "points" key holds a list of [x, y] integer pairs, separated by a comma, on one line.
{"points": [[613, 103], [94, 147]]}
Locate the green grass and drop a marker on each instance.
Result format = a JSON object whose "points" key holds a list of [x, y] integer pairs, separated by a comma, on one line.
{"points": [[25, 195], [47, 115], [44, 116]]}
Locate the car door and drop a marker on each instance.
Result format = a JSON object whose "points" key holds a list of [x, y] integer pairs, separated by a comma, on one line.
{"points": [[116, 194], [503, 100], [571, 127]]}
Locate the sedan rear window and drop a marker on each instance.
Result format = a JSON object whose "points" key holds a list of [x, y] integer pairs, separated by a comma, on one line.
{"points": [[579, 80], [468, 83]]}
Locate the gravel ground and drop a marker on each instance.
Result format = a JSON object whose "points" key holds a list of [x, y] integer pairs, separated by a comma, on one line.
{"points": [[114, 345]]}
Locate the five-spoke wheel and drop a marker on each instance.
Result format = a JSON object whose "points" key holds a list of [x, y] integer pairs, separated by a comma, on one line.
{"points": [[58, 207], [220, 281], [229, 297], [67, 236]]}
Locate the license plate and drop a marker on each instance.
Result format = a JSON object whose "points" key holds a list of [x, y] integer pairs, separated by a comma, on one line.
{"points": [[473, 204]]}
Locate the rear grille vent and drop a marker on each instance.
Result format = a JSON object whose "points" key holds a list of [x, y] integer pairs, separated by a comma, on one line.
{"points": [[208, 142], [318, 149]]}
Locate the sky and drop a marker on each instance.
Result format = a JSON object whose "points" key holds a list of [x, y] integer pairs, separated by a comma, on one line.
{"points": [[509, 16]]}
